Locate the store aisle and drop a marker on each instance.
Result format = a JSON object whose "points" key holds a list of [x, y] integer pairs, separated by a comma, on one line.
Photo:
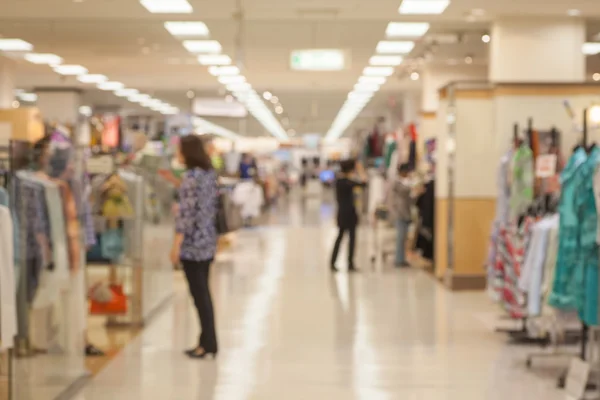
{"points": [[290, 330]]}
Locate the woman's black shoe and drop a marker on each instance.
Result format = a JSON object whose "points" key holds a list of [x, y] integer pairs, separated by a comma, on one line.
{"points": [[202, 354], [93, 351]]}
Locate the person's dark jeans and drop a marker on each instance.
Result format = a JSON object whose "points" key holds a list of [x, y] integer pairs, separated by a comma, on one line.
{"points": [[197, 273], [336, 248]]}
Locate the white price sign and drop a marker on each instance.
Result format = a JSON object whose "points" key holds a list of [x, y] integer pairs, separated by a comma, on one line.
{"points": [[101, 165], [545, 166]]}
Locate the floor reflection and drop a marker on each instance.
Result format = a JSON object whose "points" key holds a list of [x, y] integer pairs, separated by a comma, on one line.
{"points": [[288, 329]]}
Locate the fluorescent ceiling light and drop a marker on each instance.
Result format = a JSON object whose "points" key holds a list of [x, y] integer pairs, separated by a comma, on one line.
{"points": [[378, 80], [126, 92], [70, 70], [394, 47], [15, 45], [317, 60], [92, 78], [366, 87], [137, 98], [386, 60], [359, 95], [423, 6], [28, 97], [214, 59], [227, 80], [406, 29], [110, 86], [167, 6], [378, 71], [202, 46], [48, 59], [222, 71], [239, 87], [591, 48], [177, 28]]}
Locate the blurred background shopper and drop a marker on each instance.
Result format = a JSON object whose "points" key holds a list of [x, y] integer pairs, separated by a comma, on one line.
{"points": [[196, 236], [347, 216], [400, 208]]}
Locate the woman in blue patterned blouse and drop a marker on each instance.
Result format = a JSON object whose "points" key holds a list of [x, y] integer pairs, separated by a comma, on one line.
{"points": [[196, 235]]}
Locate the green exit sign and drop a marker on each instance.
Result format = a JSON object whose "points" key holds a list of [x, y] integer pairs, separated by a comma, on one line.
{"points": [[318, 60]]}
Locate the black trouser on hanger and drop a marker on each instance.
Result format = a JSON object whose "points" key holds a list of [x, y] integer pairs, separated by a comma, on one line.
{"points": [[197, 273], [336, 248]]}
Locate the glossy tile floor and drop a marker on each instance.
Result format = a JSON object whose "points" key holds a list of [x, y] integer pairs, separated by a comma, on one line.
{"points": [[290, 330]]}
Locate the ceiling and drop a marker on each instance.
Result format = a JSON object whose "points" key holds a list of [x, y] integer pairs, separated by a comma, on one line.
{"points": [[122, 40]]}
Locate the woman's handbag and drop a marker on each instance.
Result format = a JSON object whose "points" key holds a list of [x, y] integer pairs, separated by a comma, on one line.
{"points": [[228, 215], [221, 218], [381, 213]]}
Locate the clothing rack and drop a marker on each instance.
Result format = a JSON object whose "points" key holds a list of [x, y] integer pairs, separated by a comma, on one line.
{"points": [[521, 335]]}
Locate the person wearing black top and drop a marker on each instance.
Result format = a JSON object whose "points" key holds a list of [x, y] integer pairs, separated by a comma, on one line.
{"points": [[347, 217]]}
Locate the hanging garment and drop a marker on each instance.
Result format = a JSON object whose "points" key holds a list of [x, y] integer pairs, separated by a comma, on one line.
{"points": [[514, 241], [426, 205], [72, 226], [596, 185], [564, 288], [587, 266], [5, 201], [52, 281], [390, 149], [31, 205], [250, 197], [412, 155], [501, 218], [8, 297], [532, 272], [376, 193], [521, 181], [133, 228]]}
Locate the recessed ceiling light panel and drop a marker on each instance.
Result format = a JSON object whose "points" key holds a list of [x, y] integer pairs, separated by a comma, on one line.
{"points": [[92, 78], [167, 6], [591, 48], [70, 70], [214, 59], [15, 45], [126, 92], [390, 61], [394, 47], [224, 71], [377, 80], [378, 71], [182, 28], [44, 59], [423, 7], [406, 29], [228, 80], [110, 86], [202, 46]]}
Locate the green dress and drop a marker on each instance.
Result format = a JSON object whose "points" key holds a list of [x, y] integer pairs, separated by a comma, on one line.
{"points": [[521, 181], [565, 286], [587, 261]]}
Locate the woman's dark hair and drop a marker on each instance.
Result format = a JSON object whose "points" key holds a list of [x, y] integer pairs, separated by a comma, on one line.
{"points": [[404, 168], [347, 166], [193, 152]]}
